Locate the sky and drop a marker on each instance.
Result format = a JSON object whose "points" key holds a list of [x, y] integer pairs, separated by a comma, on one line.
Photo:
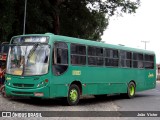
{"points": [[131, 29]]}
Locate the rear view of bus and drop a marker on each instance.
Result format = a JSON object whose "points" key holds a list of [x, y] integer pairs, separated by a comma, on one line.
{"points": [[28, 60]]}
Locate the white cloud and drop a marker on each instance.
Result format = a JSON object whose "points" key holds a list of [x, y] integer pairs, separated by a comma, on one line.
{"points": [[131, 29]]}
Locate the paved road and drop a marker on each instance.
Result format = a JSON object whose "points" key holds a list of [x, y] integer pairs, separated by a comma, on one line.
{"points": [[143, 101], [147, 100]]}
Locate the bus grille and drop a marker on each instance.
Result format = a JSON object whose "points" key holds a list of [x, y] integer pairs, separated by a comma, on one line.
{"points": [[23, 85]]}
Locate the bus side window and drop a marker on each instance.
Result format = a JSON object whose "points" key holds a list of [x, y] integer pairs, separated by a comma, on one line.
{"points": [[60, 58], [95, 56], [111, 57], [129, 59], [149, 61], [135, 60], [78, 54], [140, 61], [123, 58]]}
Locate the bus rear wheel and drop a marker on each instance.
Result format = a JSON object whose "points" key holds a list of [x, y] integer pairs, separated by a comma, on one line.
{"points": [[73, 95], [131, 90]]}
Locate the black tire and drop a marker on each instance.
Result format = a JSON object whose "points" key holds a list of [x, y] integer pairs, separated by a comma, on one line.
{"points": [[73, 95], [131, 90]]}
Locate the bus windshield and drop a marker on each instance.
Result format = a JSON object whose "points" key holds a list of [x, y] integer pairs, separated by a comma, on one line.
{"points": [[28, 60]]}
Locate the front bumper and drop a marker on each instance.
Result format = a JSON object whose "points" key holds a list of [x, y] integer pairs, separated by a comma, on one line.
{"points": [[10, 91]]}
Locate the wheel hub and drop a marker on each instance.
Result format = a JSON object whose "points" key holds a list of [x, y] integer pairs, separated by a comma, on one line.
{"points": [[73, 95]]}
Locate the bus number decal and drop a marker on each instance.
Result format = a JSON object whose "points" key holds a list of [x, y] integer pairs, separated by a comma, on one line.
{"points": [[8, 78], [76, 72], [150, 75]]}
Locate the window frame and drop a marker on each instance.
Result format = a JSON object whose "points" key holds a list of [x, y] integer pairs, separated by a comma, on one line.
{"points": [[55, 52], [53, 58], [149, 61], [111, 57], [80, 55], [126, 59], [95, 56]]}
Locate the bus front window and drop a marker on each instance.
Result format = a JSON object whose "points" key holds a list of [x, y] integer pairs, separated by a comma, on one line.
{"points": [[28, 60]]}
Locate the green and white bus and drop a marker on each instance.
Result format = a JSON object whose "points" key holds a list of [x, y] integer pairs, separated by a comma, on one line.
{"points": [[53, 66]]}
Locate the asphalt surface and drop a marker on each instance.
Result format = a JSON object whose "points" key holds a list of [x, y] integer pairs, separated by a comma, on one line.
{"points": [[143, 101], [147, 100]]}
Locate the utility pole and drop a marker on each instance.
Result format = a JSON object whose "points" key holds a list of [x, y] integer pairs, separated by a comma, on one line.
{"points": [[145, 42], [24, 24]]}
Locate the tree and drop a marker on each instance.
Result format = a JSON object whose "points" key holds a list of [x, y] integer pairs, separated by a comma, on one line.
{"points": [[6, 18], [82, 22], [89, 18], [76, 18]]}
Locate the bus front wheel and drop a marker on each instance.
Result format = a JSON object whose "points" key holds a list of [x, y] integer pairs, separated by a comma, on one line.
{"points": [[131, 90], [73, 95]]}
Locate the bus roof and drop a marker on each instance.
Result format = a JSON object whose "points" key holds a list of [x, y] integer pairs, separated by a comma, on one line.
{"points": [[88, 42], [99, 44]]}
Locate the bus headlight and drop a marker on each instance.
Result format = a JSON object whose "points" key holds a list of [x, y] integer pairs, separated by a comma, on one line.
{"points": [[43, 83], [8, 83], [38, 85]]}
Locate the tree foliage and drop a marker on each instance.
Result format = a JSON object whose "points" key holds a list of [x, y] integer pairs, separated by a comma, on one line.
{"points": [[77, 18]]}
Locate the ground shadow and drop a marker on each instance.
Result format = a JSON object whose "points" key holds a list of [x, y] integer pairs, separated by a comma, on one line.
{"points": [[87, 100]]}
